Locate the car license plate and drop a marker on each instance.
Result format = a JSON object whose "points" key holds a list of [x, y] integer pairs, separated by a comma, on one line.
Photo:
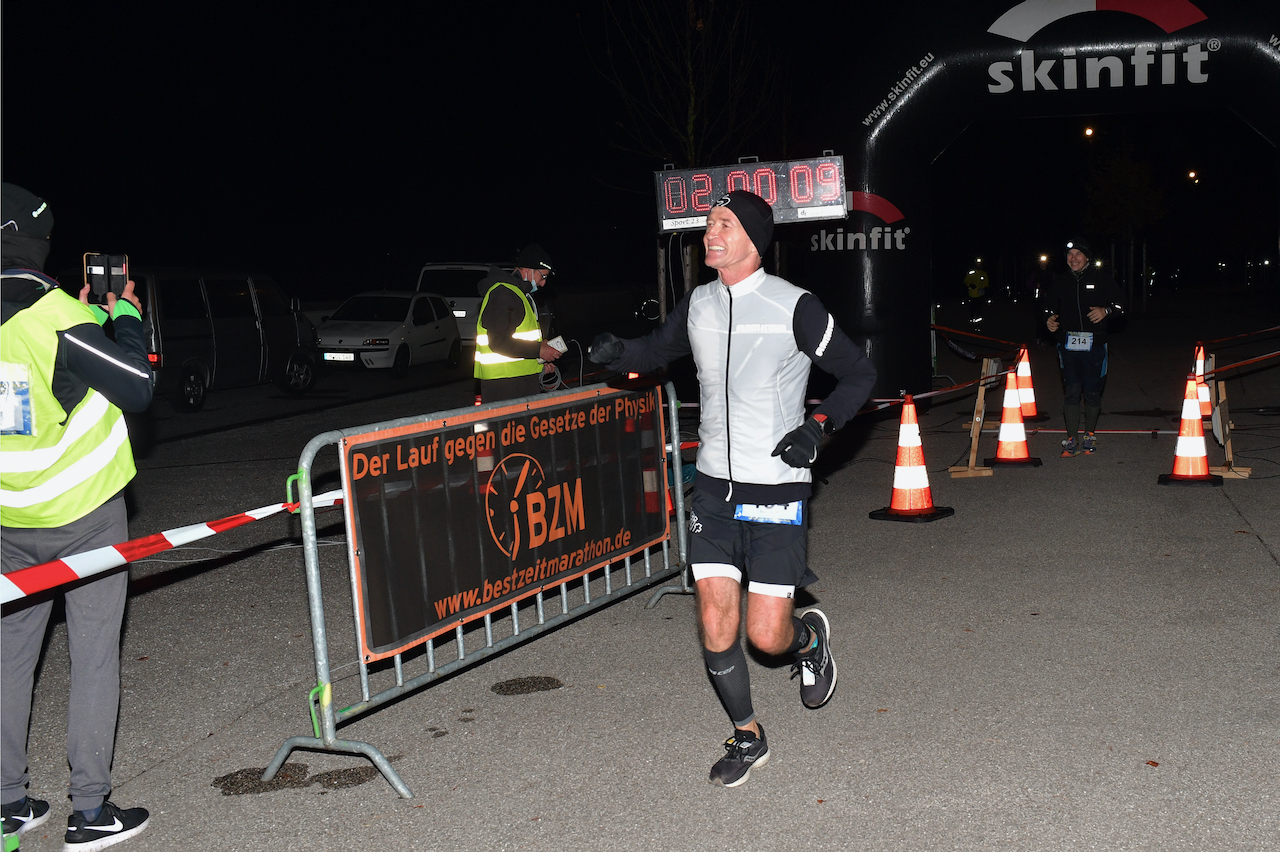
{"points": [[339, 356]]}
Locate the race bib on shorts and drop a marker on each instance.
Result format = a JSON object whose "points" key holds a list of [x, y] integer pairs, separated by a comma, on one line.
{"points": [[1079, 341], [770, 513]]}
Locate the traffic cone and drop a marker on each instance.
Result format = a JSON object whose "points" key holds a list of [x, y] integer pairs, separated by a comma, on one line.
{"points": [[1012, 449], [1202, 387], [1027, 393], [486, 460], [1190, 461], [912, 500], [652, 482]]}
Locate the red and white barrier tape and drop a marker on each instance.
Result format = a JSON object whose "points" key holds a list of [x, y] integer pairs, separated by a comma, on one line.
{"points": [[38, 578]]}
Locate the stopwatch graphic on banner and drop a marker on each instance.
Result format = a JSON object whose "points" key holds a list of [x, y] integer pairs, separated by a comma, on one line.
{"points": [[527, 474]]}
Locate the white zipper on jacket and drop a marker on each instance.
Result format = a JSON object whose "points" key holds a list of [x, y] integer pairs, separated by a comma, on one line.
{"points": [[728, 371]]}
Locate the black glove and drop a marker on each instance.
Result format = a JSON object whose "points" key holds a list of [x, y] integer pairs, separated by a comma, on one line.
{"points": [[605, 349], [799, 447]]}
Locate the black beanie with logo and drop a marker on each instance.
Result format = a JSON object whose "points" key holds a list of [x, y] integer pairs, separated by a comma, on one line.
{"points": [[26, 223], [754, 213]]}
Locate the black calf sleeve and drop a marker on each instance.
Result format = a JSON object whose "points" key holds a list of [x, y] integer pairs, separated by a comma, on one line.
{"points": [[728, 670]]}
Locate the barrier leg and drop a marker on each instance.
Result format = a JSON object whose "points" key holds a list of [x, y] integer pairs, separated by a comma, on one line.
{"points": [[1223, 426], [989, 367], [342, 746], [682, 530]]}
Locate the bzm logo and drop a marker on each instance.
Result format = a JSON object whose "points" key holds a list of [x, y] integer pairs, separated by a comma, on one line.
{"points": [[877, 239], [1064, 72], [532, 513]]}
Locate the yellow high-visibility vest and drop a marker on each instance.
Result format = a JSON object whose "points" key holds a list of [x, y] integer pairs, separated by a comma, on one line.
{"points": [[493, 365], [55, 468]]}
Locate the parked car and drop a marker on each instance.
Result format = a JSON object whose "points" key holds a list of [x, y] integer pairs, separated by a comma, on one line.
{"points": [[390, 330], [213, 329], [457, 282]]}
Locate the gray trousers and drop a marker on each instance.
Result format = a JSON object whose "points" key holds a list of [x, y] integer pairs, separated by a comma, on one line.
{"points": [[94, 614]]}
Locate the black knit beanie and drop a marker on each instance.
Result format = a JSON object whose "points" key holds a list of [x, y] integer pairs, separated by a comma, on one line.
{"points": [[754, 213]]}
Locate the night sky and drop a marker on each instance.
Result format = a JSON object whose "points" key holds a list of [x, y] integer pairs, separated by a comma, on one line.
{"points": [[338, 148]]}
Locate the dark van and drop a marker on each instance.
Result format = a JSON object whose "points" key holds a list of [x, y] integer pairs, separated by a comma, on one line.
{"points": [[215, 329]]}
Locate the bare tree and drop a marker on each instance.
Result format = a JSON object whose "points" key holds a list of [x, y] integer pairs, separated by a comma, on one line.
{"points": [[1124, 200], [1123, 197], [693, 82]]}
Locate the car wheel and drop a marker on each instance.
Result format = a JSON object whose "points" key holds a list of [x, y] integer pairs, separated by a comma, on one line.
{"points": [[455, 354], [400, 367], [299, 376], [189, 396]]}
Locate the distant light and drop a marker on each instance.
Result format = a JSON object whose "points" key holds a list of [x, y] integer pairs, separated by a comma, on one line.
{"points": [[1197, 180], [1191, 174], [979, 260], [1044, 257], [1088, 131]]}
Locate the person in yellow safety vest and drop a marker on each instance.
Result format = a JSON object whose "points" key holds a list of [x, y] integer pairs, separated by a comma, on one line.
{"points": [[509, 348], [976, 283], [65, 459]]}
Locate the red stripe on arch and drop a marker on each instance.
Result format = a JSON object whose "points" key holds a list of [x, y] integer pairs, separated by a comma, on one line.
{"points": [[869, 202], [1168, 15]]}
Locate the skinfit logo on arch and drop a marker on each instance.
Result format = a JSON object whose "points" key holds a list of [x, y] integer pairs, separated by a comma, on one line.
{"points": [[879, 238], [1151, 63]]}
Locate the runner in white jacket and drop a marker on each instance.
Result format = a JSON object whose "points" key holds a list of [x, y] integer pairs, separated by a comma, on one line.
{"points": [[753, 337]]}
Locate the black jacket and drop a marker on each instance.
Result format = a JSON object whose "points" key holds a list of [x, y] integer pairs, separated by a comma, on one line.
{"points": [[117, 369], [1072, 296], [504, 313]]}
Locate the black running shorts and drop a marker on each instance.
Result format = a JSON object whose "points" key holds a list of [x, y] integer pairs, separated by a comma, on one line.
{"points": [[773, 557]]}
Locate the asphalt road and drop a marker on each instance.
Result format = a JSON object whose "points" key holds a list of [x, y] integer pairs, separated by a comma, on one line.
{"points": [[1078, 659]]}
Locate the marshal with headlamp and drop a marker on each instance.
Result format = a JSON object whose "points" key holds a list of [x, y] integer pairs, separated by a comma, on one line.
{"points": [[797, 190]]}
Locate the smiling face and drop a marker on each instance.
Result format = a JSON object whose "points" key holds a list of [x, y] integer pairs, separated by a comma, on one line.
{"points": [[1076, 260], [729, 250]]}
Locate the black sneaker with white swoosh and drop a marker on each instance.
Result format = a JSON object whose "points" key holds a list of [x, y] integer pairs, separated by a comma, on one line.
{"points": [[23, 815], [112, 826]]}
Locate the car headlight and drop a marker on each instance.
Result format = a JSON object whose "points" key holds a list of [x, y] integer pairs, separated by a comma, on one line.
{"points": [[377, 341]]}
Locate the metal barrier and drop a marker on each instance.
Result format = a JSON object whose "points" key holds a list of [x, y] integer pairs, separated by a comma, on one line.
{"points": [[468, 638]]}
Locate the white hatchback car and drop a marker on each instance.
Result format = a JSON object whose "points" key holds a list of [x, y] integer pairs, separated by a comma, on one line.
{"points": [[390, 330]]}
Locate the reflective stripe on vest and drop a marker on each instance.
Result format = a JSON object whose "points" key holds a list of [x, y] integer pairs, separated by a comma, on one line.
{"points": [[74, 474], [494, 365], [70, 464]]}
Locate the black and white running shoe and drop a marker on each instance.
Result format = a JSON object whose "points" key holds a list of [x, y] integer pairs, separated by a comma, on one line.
{"points": [[23, 815], [112, 826], [816, 667], [743, 751]]}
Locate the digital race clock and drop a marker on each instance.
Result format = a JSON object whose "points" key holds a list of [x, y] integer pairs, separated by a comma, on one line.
{"points": [[798, 190]]}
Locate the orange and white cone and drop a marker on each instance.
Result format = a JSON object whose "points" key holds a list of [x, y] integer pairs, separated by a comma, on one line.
{"points": [[1012, 449], [652, 480], [1190, 461], [1026, 392], [1202, 387], [912, 499], [486, 458]]}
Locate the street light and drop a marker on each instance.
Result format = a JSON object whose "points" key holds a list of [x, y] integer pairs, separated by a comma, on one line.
{"points": [[1088, 131]]}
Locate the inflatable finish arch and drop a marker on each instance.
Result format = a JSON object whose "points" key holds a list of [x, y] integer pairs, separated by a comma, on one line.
{"points": [[925, 79]]}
